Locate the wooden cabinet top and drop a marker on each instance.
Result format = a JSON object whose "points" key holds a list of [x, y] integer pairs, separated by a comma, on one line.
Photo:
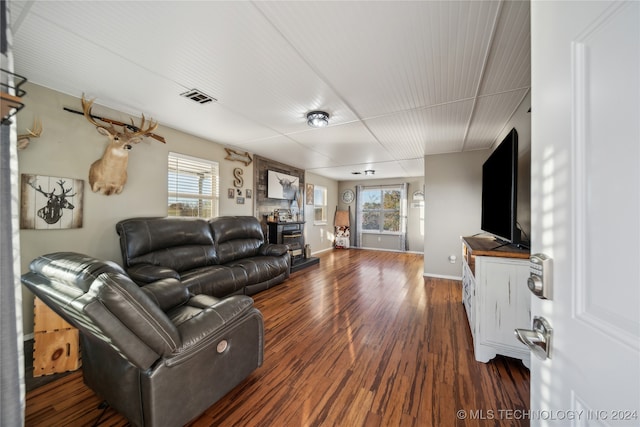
{"points": [[488, 246]]}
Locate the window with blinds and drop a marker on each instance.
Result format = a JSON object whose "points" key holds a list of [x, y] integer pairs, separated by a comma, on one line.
{"points": [[193, 185], [319, 205]]}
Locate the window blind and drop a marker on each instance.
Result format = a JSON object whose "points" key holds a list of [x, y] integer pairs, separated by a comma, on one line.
{"points": [[193, 186]]}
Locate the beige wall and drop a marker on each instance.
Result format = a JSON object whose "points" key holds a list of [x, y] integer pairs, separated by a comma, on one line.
{"points": [[320, 236], [68, 146], [453, 192], [453, 187], [415, 215]]}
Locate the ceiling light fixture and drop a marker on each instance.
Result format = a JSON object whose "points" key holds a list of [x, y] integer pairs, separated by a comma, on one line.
{"points": [[369, 172], [317, 119]]}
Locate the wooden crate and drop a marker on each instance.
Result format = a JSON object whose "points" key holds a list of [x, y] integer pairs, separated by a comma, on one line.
{"points": [[45, 319], [55, 352], [56, 345]]}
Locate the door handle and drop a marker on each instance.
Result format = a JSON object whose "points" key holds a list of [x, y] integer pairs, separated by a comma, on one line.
{"points": [[537, 339]]}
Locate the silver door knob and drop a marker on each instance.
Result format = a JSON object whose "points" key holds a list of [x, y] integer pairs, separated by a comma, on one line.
{"points": [[537, 339], [534, 283]]}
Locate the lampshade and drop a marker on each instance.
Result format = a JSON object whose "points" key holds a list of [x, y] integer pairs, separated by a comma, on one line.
{"points": [[317, 119]]}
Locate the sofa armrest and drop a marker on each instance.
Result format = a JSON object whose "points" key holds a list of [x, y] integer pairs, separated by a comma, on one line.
{"points": [[197, 332], [167, 293], [148, 273], [273, 249]]}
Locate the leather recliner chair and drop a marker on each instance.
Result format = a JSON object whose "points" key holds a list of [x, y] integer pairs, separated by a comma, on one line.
{"points": [[157, 354]]}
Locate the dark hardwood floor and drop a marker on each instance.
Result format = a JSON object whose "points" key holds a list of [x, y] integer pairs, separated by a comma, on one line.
{"points": [[363, 339]]}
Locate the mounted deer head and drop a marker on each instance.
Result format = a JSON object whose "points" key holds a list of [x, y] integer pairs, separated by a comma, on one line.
{"points": [[108, 174], [25, 138]]}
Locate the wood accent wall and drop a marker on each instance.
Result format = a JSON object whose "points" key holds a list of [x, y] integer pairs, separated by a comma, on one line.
{"points": [[263, 205]]}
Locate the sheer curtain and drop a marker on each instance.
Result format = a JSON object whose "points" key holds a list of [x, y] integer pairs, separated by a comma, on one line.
{"points": [[11, 349]]}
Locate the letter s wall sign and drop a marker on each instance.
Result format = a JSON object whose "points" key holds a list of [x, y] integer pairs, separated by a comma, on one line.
{"points": [[238, 182]]}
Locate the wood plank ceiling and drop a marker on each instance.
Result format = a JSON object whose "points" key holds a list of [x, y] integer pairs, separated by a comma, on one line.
{"points": [[400, 80]]}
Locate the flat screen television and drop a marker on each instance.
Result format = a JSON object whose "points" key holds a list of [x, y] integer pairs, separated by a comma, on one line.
{"points": [[499, 191]]}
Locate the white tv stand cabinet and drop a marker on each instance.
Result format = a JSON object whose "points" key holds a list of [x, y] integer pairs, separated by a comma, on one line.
{"points": [[496, 297]]}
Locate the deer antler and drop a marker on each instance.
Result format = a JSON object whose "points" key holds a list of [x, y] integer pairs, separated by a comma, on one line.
{"points": [[86, 109], [65, 193], [39, 189], [141, 130], [25, 138]]}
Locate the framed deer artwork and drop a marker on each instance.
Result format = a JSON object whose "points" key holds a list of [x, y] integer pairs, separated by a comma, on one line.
{"points": [[49, 202]]}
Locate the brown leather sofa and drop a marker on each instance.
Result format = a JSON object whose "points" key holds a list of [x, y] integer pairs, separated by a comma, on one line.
{"points": [[222, 256], [158, 354]]}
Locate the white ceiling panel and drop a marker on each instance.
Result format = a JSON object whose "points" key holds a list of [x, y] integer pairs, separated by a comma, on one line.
{"points": [[80, 71], [382, 170], [344, 144], [509, 64], [400, 80], [213, 122], [416, 133], [385, 57], [293, 153], [412, 167], [489, 114]]}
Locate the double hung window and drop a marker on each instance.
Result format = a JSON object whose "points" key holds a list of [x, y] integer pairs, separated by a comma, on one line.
{"points": [[319, 205], [193, 186], [382, 210]]}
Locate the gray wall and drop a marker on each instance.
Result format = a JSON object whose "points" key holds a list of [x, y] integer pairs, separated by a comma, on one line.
{"points": [[68, 146], [453, 187], [453, 190]]}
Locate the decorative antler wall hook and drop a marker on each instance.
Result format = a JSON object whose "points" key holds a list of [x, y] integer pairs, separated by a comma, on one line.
{"points": [[25, 138]]}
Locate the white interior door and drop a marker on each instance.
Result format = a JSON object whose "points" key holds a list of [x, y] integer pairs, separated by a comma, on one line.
{"points": [[586, 210]]}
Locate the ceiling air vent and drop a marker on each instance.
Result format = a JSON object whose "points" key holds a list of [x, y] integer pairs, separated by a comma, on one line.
{"points": [[198, 96]]}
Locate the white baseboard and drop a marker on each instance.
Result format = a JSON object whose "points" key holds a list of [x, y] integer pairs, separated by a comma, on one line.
{"points": [[370, 249], [388, 250], [322, 250], [442, 276]]}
